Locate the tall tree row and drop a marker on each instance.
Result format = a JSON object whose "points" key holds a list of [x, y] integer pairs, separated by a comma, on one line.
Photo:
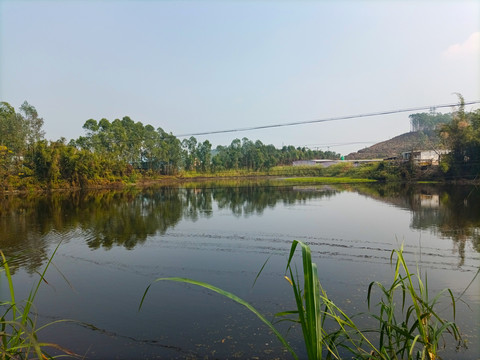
{"points": [[113, 150], [246, 154], [132, 143]]}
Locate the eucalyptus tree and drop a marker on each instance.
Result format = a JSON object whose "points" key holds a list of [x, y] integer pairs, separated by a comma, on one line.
{"points": [[248, 154], [427, 122], [204, 156], [172, 150], [189, 153], [21, 130], [271, 156], [234, 154], [32, 122], [152, 150], [132, 135], [12, 131], [220, 159]]}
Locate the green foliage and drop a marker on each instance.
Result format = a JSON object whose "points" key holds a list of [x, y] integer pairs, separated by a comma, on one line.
{"points": [[462, 137], [118, 151], [382, 170], [418, 331], [246, 154], [309, 301], [414, 335], [56, 165], [18, 134], [32, 123], [5, 165], [325, 180], [18, 327], [307, 170], [197, 157], [121, 150], [425, 122], [11, 129], [19, 131], [130, 143]]}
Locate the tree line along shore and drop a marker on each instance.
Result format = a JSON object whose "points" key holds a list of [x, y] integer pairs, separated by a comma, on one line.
{"points": [[122, 151]]}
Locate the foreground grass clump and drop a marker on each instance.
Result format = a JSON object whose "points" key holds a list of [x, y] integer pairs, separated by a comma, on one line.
{"points": [[18, 327], [418, 332], [413, 331]]}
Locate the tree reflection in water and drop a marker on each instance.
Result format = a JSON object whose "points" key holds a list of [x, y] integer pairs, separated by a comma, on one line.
{"points": [[126, 218], [448, 211]]}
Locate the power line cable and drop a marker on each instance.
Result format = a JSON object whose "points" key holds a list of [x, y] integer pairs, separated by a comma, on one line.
{"points": [[340, 144], [336, 118]]}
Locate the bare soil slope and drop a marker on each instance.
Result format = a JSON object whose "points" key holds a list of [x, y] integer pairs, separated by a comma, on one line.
{"points": [[418, 140]]}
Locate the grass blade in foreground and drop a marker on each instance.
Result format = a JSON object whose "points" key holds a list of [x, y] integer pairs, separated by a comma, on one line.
{"points": [[18, 328], [312, 318], [228, 295], [415, 335], [309, 314], [419, 331]]}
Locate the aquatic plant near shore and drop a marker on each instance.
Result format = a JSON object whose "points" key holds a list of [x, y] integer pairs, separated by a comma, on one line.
{"points": [[415, 335], [420, 328], [18, 325], [314, 308]]}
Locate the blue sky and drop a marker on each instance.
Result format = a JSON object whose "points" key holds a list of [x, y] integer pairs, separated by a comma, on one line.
{"points": [[195, 66]]}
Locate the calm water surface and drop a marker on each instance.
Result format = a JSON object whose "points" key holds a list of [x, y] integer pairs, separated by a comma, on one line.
{"points": [[114, 244]]}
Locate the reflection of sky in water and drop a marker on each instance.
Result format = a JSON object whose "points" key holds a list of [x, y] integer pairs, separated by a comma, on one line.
{"points": [[351, 237]]}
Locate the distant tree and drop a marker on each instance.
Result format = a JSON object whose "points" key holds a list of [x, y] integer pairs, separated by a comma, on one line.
{"points": [[234, 154], [5, 163], [13, 129], [189, 153], [131, 144], [204, 154], [462, 137], [20, 131], [428, 122], [246, 154], [152, 151], [172, 152], [33, 124]]}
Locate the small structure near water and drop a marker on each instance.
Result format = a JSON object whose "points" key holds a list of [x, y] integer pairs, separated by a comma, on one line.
{"points": [[424, 157], [329, 162]]}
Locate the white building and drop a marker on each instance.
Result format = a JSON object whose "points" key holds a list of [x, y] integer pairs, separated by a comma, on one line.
{"points": [[425, 157]]}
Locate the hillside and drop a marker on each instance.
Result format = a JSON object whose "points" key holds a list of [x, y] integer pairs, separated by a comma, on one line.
{"points": [[418, 140]]}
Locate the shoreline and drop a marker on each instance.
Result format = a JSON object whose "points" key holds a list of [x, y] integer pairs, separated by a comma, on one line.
{"points": [[176, 180]]}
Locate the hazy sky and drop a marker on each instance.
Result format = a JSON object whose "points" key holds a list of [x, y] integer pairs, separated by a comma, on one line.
{"points": [[194, 66]]}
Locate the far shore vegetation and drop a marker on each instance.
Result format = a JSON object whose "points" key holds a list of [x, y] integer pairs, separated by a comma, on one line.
{"points": [[121, 152]]}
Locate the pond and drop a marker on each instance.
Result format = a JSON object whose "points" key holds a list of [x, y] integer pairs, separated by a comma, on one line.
{"points": [[113, 244]]}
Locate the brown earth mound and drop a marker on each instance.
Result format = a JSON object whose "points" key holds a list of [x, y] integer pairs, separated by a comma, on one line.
{"points": [[418, 140]]}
